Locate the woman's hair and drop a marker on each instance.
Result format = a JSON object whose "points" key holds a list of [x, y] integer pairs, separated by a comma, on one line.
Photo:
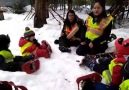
{"points": [[67, 22], [102, 3]]}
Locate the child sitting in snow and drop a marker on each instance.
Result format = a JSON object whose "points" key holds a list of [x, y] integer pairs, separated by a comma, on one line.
{"points": [[9, 62], [29, 45], [113, 75]]}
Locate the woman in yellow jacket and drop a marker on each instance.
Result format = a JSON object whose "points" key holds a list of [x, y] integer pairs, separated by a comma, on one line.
{"points": [[97, 30]]}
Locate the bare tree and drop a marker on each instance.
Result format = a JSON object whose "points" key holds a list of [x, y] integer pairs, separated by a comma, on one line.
{"points": [[40, 13], [1, 14], [70, 4], [32, 2], [47, 12]]}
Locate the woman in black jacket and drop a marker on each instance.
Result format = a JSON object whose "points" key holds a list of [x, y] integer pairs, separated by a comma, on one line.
{"points": [[70, 34], [9, 62], [97, 30]]}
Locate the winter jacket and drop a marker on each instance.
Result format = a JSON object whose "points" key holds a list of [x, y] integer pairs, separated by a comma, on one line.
{"points": [[115, 71], [124, 85], [78, 22], [28, 48], [9, 62], [117, 76], [104, 36]]}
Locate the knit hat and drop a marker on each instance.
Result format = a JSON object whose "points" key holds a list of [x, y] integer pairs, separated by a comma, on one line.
{"points": [[122, 46], [28, 32], [5, 41]]}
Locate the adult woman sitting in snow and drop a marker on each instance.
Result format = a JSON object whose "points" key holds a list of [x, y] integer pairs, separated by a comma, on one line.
{"points": [[29, 45], [9, 62], [70, 34], [97, 30]]}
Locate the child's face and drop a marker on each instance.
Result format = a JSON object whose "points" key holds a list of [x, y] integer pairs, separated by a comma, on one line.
{"points": [[31, 38]]}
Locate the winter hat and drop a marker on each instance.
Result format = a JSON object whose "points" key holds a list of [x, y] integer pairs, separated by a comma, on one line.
{"points": [[28, 32], [122, 46], [5, 41], [101, 2]]}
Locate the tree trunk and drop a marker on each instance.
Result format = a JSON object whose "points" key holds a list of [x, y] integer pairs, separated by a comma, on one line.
{"points": [[1, 15], [62, 1], [64, 8], [55, 4], [32, 2], [40, 13], [92, 2], [70, 4], [47, 12]]}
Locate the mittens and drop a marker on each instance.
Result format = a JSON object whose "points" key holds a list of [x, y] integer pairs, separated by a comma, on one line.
{"points": [[36, 42]]}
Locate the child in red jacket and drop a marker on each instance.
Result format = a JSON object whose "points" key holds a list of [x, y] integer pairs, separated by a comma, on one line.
{"points": [[113, 75], [29, 45]]}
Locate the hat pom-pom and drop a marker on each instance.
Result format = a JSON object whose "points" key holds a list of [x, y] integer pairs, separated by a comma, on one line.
{"points": [[27, 28]]}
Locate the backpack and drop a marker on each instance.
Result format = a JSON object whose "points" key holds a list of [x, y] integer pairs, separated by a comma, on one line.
{"points": [[5, 85]]}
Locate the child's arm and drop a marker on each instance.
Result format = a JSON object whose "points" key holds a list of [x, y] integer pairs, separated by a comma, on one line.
{"points": [[36, 42], [117, 76]]}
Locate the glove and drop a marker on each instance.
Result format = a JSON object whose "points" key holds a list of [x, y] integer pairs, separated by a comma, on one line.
{"points": [[36, 42]]}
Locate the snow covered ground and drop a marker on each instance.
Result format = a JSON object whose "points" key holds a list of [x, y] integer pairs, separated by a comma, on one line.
{"points": [[61, 70]]}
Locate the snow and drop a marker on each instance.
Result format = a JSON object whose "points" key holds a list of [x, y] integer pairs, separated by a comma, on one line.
{"points": [[61, 70]]}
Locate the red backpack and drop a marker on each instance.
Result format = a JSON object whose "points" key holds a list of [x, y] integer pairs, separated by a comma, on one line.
{"points": [[5, 85]]}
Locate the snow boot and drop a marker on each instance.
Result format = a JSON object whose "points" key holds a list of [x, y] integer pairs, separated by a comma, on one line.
{"points": [[64, 49], [46, 54], [45, 45], [56, 41]]}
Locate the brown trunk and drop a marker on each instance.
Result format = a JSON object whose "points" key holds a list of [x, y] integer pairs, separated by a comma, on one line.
{"points": [[70, 4], [1, 15], [40, 13], [47, 12], [32, 2]]}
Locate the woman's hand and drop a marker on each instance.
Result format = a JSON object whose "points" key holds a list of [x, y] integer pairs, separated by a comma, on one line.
{"points": [[62, 34], [83, 43], [91, 45], [74, 38]]}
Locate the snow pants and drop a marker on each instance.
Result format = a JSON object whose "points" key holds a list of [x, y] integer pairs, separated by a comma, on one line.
{"points": [[85, 49], [63, 41]]}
